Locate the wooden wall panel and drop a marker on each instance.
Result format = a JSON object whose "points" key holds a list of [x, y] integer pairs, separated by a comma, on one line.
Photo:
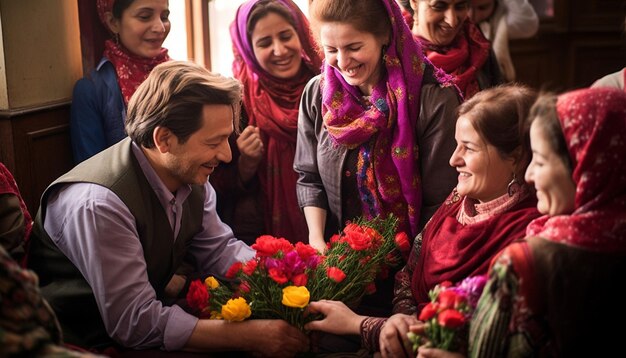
{"points": [[41, 150]]}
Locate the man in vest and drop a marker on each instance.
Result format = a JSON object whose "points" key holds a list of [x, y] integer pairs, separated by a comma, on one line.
{"points": [[111, 233]]}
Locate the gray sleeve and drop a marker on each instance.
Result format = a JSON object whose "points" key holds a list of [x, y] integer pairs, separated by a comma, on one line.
{"points": [[435, 136], [309, 187]]}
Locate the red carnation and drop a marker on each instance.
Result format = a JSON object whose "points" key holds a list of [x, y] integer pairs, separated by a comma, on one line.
{"points": [[305, 251], [447, 299], [451, 319], [250, 266], [268, 246], [234, 270], [300, 280], [429, 311], [403, 244], [335, 274], [277, 275], [197, 295]]}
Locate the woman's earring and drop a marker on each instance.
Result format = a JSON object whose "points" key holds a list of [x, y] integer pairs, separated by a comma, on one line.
{"points": [[117, 38], [513, 186]]}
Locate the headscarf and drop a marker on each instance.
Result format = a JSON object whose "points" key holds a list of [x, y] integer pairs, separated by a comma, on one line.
{"points": [[594, 126], [463, 59], [9, 186], [272, 105], [387, 172], [131, 69]]}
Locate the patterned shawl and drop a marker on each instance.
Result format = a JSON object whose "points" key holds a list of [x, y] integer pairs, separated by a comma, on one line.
{"points": [[463, 59], [272, 105], [131, 69], [9, 186], [387, 170], [594, 125]]}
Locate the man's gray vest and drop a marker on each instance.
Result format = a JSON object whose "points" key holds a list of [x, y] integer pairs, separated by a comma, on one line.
{"points": [[63, 285]]}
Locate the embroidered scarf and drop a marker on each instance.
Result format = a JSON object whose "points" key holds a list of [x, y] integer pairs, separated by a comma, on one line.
{"points": [[452, 251], [388, 174], [463, 59], [131, 69], [9, 186], [594, 126], [272, 105]]}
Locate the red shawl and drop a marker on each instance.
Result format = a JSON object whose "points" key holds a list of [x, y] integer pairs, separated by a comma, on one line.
{"points": [[9, 186], [594, 125], [463, 59], [452, 251], [272, 105]]}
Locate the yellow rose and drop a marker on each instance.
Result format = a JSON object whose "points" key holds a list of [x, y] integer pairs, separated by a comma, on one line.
{"points": [[211, 283], [296, 296], [236, 309]]}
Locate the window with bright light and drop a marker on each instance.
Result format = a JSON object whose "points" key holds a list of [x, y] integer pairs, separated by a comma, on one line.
{"points": [[176, 41]]}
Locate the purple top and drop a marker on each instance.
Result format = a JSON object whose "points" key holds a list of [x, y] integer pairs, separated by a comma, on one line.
{"points": [[116, 269]]}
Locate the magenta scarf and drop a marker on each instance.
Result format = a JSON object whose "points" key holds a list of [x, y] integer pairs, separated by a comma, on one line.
{"points": [[594, 126], [387, 173]]}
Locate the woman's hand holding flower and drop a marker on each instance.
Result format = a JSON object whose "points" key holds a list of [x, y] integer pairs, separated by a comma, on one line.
{"points": [[394, 340]]}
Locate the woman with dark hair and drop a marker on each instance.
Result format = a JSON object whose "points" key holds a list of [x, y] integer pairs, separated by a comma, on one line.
{"points": [[275, 57], [453, 43], [138, 29]]}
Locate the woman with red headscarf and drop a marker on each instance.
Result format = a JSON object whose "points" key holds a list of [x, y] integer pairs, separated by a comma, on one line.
{"points": [[99, 100], [555, 294], [15, 221], [453, 43], [274, 58]]}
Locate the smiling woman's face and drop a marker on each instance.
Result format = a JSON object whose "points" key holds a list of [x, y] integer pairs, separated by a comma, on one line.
{"points": [[439, 21], [552, 179], [276, 46]]}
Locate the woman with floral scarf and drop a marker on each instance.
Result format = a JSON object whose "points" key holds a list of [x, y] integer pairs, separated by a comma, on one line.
{"points": [[98, 111], [376, 128], [275, 56]]}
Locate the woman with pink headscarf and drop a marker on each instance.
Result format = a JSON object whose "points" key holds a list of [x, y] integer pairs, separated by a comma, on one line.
{"points": [[138, 29], [555, 294], [275, 56]]}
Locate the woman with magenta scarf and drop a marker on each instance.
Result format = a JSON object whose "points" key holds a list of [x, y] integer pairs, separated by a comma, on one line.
{"points": [[376, 128], [275, 57]]}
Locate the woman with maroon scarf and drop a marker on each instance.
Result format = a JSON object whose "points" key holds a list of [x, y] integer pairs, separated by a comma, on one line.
{"points": [[453, 43], [489, 208], [275, 57], [98, 111]]}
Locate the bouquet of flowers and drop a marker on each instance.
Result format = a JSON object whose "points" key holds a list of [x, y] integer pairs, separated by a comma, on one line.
{"points": [[211, 299], [281, 280], [448, 313]]}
